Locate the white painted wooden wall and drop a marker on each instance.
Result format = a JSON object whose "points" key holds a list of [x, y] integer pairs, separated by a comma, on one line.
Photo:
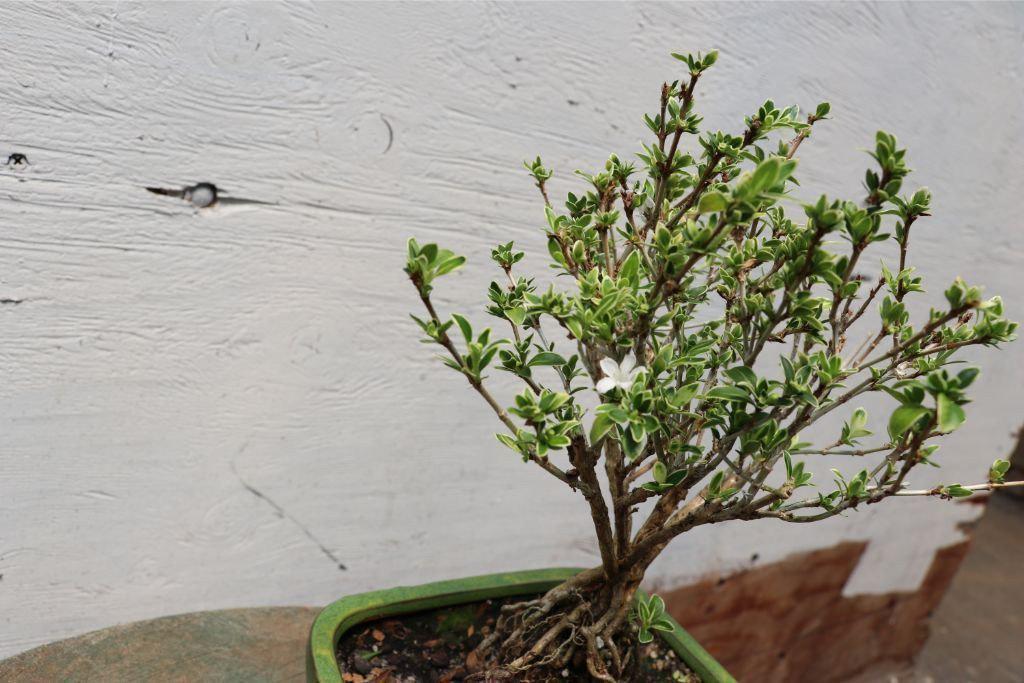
{"points": [[206, 410]]}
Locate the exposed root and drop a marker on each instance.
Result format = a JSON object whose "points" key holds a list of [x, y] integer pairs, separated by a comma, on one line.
{"points": [[545, 640], [578, 625], [595, 665], [574, 625], [567, 646], [531, 613], [528, 612], [616, 620], [568, 650], [614, 652]]}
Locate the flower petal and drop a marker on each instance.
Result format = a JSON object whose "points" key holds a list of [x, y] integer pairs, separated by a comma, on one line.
{"points": [[628, 363], [608, 366], [605, 384]]}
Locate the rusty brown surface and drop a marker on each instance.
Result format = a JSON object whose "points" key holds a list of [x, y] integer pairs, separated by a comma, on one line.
{"points": [[251, 645], [788, 621]]}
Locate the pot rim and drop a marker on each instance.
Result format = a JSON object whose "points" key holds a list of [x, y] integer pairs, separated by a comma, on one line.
{"points": [[341, 615]]}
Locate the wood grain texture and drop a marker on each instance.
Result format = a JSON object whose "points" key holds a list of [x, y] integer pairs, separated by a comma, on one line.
{"points": [[217, 409]]}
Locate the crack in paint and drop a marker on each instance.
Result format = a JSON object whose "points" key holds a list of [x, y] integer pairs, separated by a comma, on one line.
{"points": [[282, 513], [391, 134]]}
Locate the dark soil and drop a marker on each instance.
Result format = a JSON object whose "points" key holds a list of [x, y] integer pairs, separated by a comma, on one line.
{"points": [[431, 647]]}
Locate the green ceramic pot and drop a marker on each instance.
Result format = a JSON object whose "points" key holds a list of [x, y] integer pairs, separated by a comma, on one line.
{"points": [[339, 616]]}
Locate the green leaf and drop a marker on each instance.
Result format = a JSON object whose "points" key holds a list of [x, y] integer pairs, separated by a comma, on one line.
{"points": [[742, 374], [855, 428], [715, 485], [656, 605], [765, 175], [904, 417], [949, 414], [516, 315], [450, 264], [957, 491], [787, 368], [630, 267], [728, 394], [552, 401], [998, 471], [967, 376], [509, 441], [546, 358], [631, 446], [602, 423], [555, 251], [712, 201], [683, 395], [467, 329], [662, 624]]}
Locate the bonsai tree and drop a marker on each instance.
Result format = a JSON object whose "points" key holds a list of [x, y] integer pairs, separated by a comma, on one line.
{"points": [[708, 318]]}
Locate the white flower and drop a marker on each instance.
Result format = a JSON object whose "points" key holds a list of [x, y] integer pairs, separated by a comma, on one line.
{"points": [[617, 374]]}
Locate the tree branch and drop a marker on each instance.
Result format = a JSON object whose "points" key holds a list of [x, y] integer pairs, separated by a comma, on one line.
{"points": [[446, 342]]}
